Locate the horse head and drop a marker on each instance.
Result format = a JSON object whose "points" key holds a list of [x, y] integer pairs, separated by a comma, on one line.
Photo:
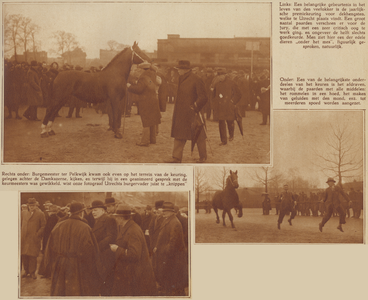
{"points": [[233, 178], [138, 55]]}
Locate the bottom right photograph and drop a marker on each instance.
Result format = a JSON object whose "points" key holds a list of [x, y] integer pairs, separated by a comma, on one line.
{"points": [[313, 191]]}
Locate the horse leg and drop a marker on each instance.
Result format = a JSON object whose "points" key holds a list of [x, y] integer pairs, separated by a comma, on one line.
{"points": [[116, 116], [223, 217], [46, 126], [217, 216], [231, 218]]}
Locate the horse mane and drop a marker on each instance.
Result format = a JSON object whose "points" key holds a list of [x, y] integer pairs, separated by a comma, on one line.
{"points": [[116, 57]]}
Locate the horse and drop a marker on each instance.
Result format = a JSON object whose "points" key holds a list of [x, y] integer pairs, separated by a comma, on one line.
{"points": [[228, 199], [108, 85]]}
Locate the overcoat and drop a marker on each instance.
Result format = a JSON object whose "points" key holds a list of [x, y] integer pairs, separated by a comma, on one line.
{"points": [[72, 251], [287, 200], [149, 109], [170, 261], [226, 96], [265, 96], [34, 92], [332, 196], [133, 274], [33, 226], [191, 92], [105, 231]]}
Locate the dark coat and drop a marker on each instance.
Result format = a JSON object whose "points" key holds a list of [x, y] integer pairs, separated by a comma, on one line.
{"points": [[72, 251], [169, 259], [133, 275], [163, 92], [332, 196], [191, 92], [50, 224], [34, 92], [265, 96], [149, 109], [32, 232], [105, 231], [287, 200], [154, 230], [226, 96]]}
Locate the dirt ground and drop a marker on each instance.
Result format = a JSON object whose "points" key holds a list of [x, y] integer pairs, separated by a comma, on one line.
{"points": [[253, 227], [87, 140]]}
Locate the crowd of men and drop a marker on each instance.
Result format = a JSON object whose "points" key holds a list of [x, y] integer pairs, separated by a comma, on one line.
{"points": [[107, 249], [199, 94]]}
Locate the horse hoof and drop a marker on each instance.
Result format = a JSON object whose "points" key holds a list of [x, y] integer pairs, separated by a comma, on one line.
{"points": [[44, 135], [118, 135], [51, 132], [217, 221]]}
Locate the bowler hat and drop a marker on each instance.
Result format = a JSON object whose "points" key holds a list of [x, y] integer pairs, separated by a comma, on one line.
{"points": [[32, 201], [110, 201], [123, 210], [183, 64], [76, 208], [168, 206], [159, 203], [330, 179], [97, 204]]}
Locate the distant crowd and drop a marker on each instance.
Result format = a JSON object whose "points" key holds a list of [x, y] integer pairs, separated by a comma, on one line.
{"points": [[107, 249]]}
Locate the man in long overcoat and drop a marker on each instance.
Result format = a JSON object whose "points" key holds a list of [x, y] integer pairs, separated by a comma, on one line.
{"points": [[226, 95], [171, 268], [265, 92], [105, 231], [287, 206], [34, 92], [332, 202], [72, 251], [133, 273], [149, 109], [191, 98], [33, 224]]}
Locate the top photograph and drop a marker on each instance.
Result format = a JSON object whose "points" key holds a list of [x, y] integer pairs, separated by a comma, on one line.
{"points": [[177, 83]]}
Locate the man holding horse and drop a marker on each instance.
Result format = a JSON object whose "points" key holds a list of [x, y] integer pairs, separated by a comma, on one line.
{"points": [[149, 109], [191, 98]]}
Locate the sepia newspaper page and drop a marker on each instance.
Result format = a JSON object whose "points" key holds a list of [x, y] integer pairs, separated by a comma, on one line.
{"points": [[308, 137]]}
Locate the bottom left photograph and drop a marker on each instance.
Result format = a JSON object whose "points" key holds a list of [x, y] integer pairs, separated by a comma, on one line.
{"points": [[104, 244]]}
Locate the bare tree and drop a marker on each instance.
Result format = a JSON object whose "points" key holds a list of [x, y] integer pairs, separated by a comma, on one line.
{"points": [[342, 153], [12, 24], [266, 177], [34, 29], [65, 42], [201, 183], [219, 178], [25, 34]]}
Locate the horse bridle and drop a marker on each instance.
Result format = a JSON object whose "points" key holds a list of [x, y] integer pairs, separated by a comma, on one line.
{"points": [[135, 53], [231, 180]]}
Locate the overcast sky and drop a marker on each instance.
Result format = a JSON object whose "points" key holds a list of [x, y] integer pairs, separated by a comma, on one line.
{"points": [[95, 24], [297, 137]]}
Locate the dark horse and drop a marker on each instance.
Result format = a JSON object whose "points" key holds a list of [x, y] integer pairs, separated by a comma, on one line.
{"points": [[108, 85], [228, 199]]}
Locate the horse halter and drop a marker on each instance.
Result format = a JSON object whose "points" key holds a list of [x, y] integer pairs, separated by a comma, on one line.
{"points": [[135, 53], [233, 181]]}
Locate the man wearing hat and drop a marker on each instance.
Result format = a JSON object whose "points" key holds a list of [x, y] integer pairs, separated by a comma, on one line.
{"points": [[34, 92], [146, 220], [191, 98], [264, 95], [105, 231], [133, 273], [32, 227], [169, 255], [155, 224], [149, 109], [287, 205], [226, 95], [332, 202], [72, 252], [110, 204]]}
